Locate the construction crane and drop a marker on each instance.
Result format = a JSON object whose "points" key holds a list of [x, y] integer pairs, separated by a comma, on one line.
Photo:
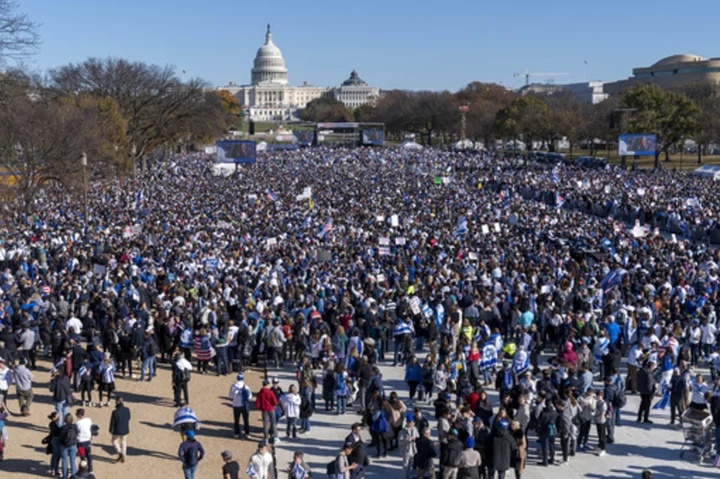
{"points": [[528, 75]]}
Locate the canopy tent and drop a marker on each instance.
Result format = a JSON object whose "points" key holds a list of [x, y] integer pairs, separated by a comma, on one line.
{"points": [[464, 145], [708, 171], [262, 146], [410, 145]]}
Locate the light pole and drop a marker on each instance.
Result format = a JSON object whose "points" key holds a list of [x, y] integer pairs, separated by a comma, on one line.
{"points": [[83, 162]]}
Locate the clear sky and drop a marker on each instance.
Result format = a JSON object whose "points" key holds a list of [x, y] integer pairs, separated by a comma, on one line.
{"points": [[420, 44]]}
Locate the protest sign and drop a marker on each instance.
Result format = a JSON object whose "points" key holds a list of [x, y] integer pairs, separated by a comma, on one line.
{"points": [[400, 241], [384, 241], [394, 221]]}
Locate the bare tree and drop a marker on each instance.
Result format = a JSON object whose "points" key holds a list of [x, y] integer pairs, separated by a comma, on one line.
{"points": [[158, 106], [18, 35]]}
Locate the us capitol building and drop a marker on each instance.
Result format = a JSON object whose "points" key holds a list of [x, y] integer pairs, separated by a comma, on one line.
{"points": [[270, 98]]}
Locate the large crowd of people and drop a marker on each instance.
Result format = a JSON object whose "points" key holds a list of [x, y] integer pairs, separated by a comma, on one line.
{"points": [[562, 289]]}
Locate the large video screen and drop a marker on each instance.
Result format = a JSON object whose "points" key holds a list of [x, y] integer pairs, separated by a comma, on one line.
{"points": [[373, 137], [305, 137], [235, 151], [642, 145]]}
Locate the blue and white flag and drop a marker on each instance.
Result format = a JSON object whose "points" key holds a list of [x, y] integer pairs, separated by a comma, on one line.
{"points": [[665, 400], [298, 471], [250, 471], [462, 227], [140, 197], [613, 279], [559, 200], [401, 328], [427, 311], [555, 174], [326, 228], [271, 195], [488, 360], [305, 223]]}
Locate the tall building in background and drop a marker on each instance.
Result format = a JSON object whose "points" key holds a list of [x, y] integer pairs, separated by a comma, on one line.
{"points": [[671, 72], [270, 98]]}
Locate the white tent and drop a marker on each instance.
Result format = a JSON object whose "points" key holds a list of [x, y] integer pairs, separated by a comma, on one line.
{"points": [[515, 145], [223, 169], [464, 145], [410, 145], [262, 146], [708, 171]]}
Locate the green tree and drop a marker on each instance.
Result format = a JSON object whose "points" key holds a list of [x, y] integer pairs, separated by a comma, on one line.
{"points": [[672, 116], [327, 109], [528, 117], [706, 96]]}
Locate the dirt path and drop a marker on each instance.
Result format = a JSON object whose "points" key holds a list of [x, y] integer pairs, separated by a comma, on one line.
{"points": [[152, 445]]}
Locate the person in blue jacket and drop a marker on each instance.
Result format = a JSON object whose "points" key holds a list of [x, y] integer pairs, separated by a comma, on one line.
{"points": [[413, 375]]}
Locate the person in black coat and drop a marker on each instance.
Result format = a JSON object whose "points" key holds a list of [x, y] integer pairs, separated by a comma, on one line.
{"points": [[504, 447], [546, 425], [62, 394], [646, 386], [120, 428], [425, 455]]}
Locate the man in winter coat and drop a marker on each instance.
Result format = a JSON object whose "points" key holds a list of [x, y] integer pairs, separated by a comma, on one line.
{"points": [[60, 388], [646, 386], [425, 454], [450, 456], [546, 429], [504, 445], [190, 454]]}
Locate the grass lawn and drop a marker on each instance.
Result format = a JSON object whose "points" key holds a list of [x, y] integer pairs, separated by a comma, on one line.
{"points": [[684, 162]]}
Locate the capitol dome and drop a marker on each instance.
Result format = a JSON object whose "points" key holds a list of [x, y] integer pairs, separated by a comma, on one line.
{"points": [[673, 59], [269, 65]]}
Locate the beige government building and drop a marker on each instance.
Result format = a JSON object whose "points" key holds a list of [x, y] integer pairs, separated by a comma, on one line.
{"points": [[271, 98], [670, 72]]}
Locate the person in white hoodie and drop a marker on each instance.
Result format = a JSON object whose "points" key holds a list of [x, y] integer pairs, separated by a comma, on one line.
{"points": [[291, 403], [240, 395]]}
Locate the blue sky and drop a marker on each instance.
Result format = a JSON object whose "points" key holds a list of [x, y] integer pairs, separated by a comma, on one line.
{"points": [[418, 44]]}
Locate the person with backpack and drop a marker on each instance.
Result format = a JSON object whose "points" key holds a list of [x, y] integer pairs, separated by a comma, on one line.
{"points": [[190, 454], [68, 445], [341, 467], [613, 398], [148, 353], [240, 395], [547, 431], [181, 370], [602, 412], [341, 389], [380, 428]]}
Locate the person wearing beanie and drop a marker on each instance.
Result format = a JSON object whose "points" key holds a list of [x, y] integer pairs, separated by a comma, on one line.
{"points": [[240, 395], [470, 461], [406, 440], [190, 454]]}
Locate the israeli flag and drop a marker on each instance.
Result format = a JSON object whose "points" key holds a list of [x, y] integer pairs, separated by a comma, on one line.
{"points": [[140, 197], [298, 471], [427, 311], [555, 174], [462, 227], [305, 223], [613, 279], [250, 471], [665, 400], [489, 357]]}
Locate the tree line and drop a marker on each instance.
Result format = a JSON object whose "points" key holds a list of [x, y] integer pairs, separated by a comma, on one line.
{"points": [[114, 111], [497, 113]]}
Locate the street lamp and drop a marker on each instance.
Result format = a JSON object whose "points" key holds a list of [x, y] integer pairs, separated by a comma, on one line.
{"points": [[83, 162]]}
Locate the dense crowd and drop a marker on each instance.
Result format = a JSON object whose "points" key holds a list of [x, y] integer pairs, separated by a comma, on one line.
{"points": [[473, 272]]}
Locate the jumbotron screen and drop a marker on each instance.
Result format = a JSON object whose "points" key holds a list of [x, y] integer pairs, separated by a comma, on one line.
{"points": [[236, 151]]}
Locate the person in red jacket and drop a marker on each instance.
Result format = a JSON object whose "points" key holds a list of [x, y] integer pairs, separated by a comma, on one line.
{"points": [[266, 402]]}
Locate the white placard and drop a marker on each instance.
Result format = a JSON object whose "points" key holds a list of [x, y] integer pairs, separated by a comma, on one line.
{"points": [[473, 256], [384, 251], [384, 241], [380, 218], [496, 226], [400, 241], [484, 229], [380, 278], [394, 221]]}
